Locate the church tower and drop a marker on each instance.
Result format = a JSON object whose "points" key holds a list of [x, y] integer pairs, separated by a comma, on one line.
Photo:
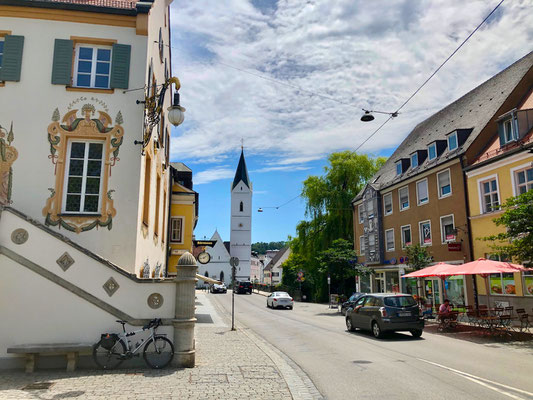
{"points": [[241, 220]]}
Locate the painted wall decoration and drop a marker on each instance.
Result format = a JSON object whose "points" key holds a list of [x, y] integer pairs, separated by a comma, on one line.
{"points": [[83, 150], [8, 155]]}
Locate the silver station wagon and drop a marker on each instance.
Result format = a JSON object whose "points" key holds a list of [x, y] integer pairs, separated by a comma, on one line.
{"points": [[382, 312]]}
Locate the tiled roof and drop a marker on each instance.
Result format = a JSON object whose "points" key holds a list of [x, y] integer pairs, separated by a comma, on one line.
{"points": [[473, 111], [276, 258]]}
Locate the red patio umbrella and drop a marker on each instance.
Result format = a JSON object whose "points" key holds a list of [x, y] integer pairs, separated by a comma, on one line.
{"points": [[483, 267], [434, 270]]}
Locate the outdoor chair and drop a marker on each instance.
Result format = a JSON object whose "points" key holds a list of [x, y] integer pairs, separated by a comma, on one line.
{"points": [[524, 321], [447, 321], [506, 322], [498, 311], [509, 310]]}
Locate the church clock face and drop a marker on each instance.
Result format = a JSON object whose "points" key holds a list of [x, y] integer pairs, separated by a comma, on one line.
{"points": [[204, 257]]}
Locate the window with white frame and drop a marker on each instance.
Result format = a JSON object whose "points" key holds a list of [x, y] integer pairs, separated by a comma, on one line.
{"points": [[414, 160], [524, 180], [399, 168], [489, 195], [406, 236], [452, 141], [509, 132], [387, 204], [447, 228], [403, 195], [176, 229], [422, 195], [432, 151], [445, 184], [389, 240], [92, 66], [83, 177], [425, 233], [361, 245], [360, 211]]}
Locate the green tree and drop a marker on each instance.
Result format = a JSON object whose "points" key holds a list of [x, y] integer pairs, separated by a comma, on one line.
{"points": [[329, 210], [340, 263], [418, 256], [517, 241]]}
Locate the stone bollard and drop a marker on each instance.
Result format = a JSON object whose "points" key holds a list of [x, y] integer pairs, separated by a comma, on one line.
{"points": [[185, 353]]}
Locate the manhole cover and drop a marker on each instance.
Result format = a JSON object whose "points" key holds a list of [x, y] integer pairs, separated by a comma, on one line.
{"points": [[38, 386], [362, 362]]}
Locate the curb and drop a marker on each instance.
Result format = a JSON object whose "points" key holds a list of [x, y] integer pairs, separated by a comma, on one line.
{"points": [[298, 382]]}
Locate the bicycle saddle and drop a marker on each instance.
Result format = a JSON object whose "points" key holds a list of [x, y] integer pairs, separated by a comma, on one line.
{"points": [[121, 322]]}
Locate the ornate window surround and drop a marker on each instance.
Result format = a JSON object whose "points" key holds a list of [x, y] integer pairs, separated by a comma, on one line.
{"points": [[85, 128]]}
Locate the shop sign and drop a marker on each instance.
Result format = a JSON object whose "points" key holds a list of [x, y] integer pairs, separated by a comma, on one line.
{"points": [[454, 246], [210, 243]]}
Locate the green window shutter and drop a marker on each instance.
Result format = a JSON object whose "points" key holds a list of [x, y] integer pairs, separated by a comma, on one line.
{"points": [[120, 66], [62, 65], [501, 133], [12, 59]]}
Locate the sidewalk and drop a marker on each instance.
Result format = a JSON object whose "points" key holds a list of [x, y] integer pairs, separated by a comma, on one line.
{"points": [[229, 365]]}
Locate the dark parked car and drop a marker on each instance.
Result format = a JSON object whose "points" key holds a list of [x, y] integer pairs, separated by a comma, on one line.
{"points": [[243, 287], [216, 288], [382, 312], [350, 302]]}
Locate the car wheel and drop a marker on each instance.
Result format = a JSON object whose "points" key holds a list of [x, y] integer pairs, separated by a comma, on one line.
{"points": [[290, 308], [376, 330], [416, 333], [349, 325]]}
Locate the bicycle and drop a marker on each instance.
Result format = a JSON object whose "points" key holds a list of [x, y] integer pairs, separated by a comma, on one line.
{"points": [[113, 348]]}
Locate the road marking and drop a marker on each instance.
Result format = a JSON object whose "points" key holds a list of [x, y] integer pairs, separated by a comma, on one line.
{"points": [[481, 381]]}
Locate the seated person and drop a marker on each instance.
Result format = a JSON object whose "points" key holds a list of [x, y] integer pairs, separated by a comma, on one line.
{"points": [[445, 310]]}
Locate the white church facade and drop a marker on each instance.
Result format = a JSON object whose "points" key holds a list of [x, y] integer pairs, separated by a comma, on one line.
{"points": [[240, 244]]}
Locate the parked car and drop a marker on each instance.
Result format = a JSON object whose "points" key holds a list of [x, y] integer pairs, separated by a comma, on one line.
{"points": [[382, 312], [242, 287], [350, 302], [216, 288], [280, 300]]}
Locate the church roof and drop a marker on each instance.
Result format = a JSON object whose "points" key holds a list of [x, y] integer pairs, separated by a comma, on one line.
{"points": [[242, 173]]}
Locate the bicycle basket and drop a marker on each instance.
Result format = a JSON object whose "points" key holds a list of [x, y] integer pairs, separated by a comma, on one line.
{"points": [[108, 340]]}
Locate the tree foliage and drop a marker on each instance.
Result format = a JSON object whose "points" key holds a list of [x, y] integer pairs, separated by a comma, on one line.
{"points": [[329, 212], [262, 247], [418, 256], [517, 241]]}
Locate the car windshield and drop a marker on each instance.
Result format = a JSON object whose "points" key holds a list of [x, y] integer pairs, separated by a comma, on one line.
{"points": [[281, 294], [399, 301]]}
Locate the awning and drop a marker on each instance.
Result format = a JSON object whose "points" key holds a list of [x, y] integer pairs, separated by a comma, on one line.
{"points": [[208, 280]]}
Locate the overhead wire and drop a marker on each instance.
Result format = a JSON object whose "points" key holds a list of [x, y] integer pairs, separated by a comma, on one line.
{"points": [[432, 75]]}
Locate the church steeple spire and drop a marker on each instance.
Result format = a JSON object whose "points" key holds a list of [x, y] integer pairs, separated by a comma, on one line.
{"points": [[242, 173]]}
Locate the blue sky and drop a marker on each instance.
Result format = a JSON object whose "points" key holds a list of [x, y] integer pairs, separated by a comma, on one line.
{"points": [[361, 54]]}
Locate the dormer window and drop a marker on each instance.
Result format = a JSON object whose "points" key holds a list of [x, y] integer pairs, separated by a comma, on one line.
{"points": [[507, 127], [432, 151], [399, 168], [414, 160], [452, 141]]}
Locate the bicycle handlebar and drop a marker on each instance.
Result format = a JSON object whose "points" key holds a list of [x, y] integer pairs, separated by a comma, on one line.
{"points": [[153, 323]]}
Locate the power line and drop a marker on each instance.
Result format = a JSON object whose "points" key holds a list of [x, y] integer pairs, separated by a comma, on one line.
{"points": [[281, 205], [432, 75]]}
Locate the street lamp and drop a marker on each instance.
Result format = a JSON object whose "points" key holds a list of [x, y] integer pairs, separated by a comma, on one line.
{"points": [[367, 116], [175, 111]]}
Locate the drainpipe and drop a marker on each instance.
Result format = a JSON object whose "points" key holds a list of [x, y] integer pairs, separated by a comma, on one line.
{"points": [[470, 241], [168, 248]]}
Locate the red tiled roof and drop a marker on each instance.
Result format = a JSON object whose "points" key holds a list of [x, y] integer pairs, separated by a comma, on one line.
{"points": [[123, 4]]}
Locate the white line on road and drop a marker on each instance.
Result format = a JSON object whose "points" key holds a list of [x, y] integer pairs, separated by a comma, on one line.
{"points": [[481, 381]]}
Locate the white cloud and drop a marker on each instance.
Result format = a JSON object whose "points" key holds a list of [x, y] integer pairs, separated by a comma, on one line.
{"points": [[371, 55], [214, 174], [281, 168]]}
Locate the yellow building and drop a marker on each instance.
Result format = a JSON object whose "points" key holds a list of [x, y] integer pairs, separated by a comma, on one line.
{"points": [[503, 169], [183, 214]]}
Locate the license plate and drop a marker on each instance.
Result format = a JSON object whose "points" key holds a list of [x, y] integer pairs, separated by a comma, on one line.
{"points": [[404, 314]]}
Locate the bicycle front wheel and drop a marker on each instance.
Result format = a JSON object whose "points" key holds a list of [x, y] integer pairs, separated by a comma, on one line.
{"points": [[109, 359], [158, 352]]}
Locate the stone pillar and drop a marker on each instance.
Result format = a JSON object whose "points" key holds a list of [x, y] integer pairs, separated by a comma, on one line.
{"points": [[185, 353]]}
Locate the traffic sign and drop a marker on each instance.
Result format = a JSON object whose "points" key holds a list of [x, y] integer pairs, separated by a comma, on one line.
{"points": [[300, 274]]}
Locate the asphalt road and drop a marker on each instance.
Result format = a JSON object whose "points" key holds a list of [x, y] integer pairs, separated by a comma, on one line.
{"points": [[346, 365]]}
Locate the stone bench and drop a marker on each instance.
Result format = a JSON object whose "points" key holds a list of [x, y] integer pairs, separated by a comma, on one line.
{"points": [[72, 351]]}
